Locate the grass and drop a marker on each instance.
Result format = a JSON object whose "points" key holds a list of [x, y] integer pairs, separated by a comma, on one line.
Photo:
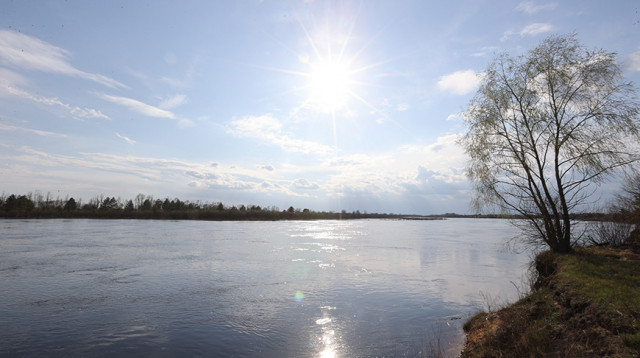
{"points": [[586, 304]]}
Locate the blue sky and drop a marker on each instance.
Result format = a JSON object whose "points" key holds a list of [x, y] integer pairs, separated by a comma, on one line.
{"points": [[327, 105]]}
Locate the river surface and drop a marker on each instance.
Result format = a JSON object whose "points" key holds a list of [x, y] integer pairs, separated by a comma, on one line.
{"points": [[360, 288]]}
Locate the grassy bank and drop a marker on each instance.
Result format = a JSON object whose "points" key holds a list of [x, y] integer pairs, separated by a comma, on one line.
{"points": [[585, 304]]}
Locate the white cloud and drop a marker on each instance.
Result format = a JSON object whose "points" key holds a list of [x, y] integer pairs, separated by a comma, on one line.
{"points": [[634, 61], [460, 82], [265, 126], [126, 139], [362, 174], [454, 117], [146, 109], [23, 51], [76, 112], [173, 101], [10, 128], [269, 129], [417, 178], [534, 29], [304, 184], [128, 174], [10, 84], [530, 7], [139, 107]]}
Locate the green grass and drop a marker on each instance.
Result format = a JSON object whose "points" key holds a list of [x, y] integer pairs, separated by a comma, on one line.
{"points": [[610, 281]]}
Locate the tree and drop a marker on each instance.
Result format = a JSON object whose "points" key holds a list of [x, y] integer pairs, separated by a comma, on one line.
{"points": [[18, 205], [129, 207], [70, 205], [545, 129], [146, 205]]}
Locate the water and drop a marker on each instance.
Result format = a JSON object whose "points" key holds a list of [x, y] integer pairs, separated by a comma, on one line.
{"points": [[358, 288]]}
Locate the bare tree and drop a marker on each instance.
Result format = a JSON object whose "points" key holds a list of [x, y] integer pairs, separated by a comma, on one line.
{"points": [[545, 129]]}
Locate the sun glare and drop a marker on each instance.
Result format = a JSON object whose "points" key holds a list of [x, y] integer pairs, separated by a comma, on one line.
{"points": [[330, 85]]}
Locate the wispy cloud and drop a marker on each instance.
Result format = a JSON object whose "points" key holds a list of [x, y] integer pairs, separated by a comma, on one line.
{"points": [[534, 29], [145, 109], [460, 82], [126, 139], [26, 52], [140, 107], [10, 84], [173, 101], [11, 128], [485, 51], [530, 7], [269, 129]]}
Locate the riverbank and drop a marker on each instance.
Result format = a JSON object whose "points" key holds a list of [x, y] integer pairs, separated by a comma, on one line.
{"points": [[586, 304]]}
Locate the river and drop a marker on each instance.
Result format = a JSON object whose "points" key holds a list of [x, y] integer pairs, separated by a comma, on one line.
{"points": [[359, 288]]}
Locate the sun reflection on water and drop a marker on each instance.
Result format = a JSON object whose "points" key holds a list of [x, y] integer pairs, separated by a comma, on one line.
{"points": [[328, 344]]}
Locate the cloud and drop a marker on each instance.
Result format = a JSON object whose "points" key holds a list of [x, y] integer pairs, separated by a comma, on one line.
{"points": [[634, 61], [126, 139], [534, 29], [267, 167], [265, 126], [460, 82], [139, 107], [23, 51], [10, 84], [485, 51], [530, 7], [10, 128], [76, 112], [421, 178], [304, 184], [146, 109], [269, 129], [173, 101], [127, 174]]}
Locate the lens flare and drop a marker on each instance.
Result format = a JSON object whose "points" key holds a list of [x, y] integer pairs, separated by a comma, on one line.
{"points": [[299, 296]]}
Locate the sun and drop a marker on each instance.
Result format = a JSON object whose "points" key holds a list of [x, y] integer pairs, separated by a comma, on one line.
{"points": [[330, 85], [333, 77]]}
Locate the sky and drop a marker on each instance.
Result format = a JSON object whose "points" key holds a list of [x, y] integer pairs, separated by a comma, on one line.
{"points": [[326, 105]]}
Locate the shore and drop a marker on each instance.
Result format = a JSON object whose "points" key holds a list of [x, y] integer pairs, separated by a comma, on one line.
{"points": [[584, 304]]}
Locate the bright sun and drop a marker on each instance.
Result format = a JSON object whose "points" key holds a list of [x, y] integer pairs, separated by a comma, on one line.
{"points": [[330, 85]]}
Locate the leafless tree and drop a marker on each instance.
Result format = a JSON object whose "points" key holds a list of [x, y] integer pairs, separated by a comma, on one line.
{"points": [[544, 129]]}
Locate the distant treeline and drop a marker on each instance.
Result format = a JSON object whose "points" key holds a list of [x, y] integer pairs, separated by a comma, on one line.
{"points": [[38, 205], [575, 216]]}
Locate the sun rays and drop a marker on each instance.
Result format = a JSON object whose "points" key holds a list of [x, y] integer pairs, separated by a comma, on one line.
{"points": [[328, 72]]}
